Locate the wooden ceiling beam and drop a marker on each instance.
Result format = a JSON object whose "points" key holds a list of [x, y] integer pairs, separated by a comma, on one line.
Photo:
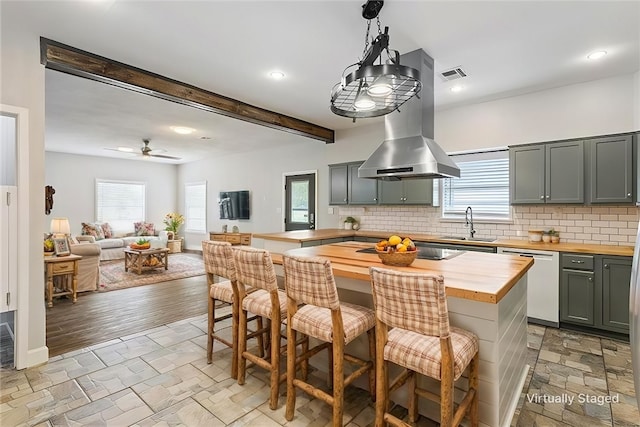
{"points": [[67, 59]]}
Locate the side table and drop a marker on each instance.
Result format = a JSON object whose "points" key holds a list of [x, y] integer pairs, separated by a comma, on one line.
{"points": [[67, 268]]}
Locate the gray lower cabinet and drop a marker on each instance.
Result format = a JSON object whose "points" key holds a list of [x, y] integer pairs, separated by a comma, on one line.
{"points": [[577, 291], [547, 173], [616, 278], [594, 291], [347, 189], [406, 192], [610, 169]]}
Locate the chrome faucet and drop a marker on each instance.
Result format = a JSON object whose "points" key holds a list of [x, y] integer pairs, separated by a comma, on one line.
{"points": [[468, 217]]}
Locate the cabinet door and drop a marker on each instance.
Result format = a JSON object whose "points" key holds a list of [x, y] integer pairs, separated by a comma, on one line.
{"points": [[362, 191], [391, 192], [418, 191], [338, 184], [609, 169], [616, 277], [564, 172], [526, 174], [577, 297]]}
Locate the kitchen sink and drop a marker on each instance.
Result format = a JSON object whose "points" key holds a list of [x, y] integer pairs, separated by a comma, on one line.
{"points": [[470, 239]]}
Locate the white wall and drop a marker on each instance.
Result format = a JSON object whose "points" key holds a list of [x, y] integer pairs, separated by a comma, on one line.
{"points": [[22, 83], [74, 179], [636, 103], [587, 109], [260, 172]]}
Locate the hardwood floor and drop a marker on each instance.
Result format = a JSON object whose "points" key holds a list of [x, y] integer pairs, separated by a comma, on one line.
{"points": [[101, 316]]}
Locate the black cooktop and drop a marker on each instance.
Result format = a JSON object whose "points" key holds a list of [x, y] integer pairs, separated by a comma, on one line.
{"points": [[436, 254]]}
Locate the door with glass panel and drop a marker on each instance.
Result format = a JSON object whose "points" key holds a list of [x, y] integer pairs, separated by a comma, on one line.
{"points": [[300, 202]]}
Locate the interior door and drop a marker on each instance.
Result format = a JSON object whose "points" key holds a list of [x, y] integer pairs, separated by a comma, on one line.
{"points": [[300, 202]]}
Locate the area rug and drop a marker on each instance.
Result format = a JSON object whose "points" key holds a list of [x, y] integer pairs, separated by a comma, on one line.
{"points": [[181, 265]]}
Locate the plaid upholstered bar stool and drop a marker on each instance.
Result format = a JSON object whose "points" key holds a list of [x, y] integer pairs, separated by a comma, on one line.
{"points": [[218, 262], [310, 281], [254, 268], [413, 331]]}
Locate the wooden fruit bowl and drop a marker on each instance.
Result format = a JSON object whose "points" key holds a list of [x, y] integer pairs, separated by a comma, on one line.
{"points": [[140, 247], [398, 259]]}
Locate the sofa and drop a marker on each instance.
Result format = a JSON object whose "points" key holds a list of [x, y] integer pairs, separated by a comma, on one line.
{"points": [[113, 248]]}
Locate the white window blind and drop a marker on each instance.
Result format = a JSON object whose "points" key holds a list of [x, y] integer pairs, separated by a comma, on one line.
{"points": [[483, 185], [195, 204], [120, 203]]}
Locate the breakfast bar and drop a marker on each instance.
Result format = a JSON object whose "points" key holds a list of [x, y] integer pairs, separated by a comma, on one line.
{"points": [[487, 294]]}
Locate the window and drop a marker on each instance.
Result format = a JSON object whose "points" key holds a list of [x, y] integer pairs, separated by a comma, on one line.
{"points": [[483, 185], [120, 203], [195, 205]]}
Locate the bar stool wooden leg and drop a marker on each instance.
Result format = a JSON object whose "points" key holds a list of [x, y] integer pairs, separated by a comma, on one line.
{"points": [[234, 338], [211, 322], [242, 345], [275, 361], [382, 380], [371, 336], [413, 397], [446, 385], [473, 384], [291, 372], [338, 377]]}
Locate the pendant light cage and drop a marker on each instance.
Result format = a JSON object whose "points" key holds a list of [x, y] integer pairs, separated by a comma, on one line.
{"points": [[374, 90]]}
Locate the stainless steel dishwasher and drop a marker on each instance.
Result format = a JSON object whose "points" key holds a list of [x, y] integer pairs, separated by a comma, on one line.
{"points": [[543, 285]]}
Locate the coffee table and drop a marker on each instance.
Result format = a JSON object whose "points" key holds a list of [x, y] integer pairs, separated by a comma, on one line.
{"points": [[140, 260]]}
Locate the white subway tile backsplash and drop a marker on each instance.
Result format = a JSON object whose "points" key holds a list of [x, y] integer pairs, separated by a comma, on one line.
{"points": [[580, 224]]}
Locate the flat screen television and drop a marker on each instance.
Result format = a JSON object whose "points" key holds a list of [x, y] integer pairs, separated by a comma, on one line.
{"points": [[234, 204]]}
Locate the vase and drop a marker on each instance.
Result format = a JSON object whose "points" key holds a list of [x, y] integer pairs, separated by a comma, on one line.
{"points": [[348, 226]]}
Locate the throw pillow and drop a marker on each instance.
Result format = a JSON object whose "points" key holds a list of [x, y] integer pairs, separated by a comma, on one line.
{"points": [[107, 230], [92, 229], [144, 228]]}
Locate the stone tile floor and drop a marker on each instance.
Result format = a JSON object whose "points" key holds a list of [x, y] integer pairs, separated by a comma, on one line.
{"points": [[161, 377]]}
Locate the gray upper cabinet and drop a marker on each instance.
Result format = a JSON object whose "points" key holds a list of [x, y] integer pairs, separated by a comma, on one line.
{"points": [[547, 173], [362, 191], [338, 181], [564, 172], [347, 189], [610, 169], [407, 192], [526, 174]]}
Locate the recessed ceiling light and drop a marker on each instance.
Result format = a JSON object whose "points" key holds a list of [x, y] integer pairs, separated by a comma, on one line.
{"points": [[182, 130], [597, 55], [276, 75], [456, 88], [126, 149]]}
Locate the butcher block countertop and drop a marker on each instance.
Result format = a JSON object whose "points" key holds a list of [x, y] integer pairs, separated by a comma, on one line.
{"points": [[476, 276], [301, 236]]}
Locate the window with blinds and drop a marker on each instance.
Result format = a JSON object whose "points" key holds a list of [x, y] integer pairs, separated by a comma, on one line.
{"points": [[195, 205], [483, 185], [120, 203]]}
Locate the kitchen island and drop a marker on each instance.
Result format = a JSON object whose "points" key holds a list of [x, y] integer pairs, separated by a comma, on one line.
{"points": [[486, 295]]}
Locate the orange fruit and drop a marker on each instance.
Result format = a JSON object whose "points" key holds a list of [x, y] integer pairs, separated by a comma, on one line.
{"points": [[401, 248]]}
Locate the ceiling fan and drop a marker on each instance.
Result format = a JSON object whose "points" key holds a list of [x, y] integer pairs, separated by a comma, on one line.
{"points": [[145, 151]]}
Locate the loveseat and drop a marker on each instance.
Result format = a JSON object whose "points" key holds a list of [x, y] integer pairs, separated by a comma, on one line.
{"points": [[88, 267], [113, 248]]}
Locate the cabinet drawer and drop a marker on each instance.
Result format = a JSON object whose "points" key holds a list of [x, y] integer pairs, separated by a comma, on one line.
{"points": [[217, 237], [233, 239], [63, 267], [245, 240], [577, 262]]}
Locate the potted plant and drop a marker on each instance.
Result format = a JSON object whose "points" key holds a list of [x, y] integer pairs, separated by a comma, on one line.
{"points": [[48, 246], [349, 222], [555, 236], [173, 221], [546, 236]]}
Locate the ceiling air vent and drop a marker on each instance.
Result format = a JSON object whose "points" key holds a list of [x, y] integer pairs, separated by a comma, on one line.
{"points": [[453, 74]]}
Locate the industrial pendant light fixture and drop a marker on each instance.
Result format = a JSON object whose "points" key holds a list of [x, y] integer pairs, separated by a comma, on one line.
{"points": [[374, 90]]}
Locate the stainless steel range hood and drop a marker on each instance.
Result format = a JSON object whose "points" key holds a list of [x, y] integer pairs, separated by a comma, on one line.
{"points": [[409, 150]]}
